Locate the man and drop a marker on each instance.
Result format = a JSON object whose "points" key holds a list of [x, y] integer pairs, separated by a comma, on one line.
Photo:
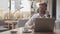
{"points": [[42, 13]]}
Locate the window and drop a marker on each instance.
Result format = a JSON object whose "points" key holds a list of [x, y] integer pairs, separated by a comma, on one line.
{"points": [[20, 8]]}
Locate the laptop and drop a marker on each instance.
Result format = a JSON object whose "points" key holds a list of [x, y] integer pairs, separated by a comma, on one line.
{"points": [[44, 25]]}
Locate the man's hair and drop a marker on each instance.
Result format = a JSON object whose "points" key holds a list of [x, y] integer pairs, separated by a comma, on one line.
{"points": [[43, 4]]}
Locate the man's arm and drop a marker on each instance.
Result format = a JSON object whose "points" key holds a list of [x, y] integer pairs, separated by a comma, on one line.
{"points": [[30, 22]]}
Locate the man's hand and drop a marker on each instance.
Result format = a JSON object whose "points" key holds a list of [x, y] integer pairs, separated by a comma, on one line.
{"points": [[31, 27]]}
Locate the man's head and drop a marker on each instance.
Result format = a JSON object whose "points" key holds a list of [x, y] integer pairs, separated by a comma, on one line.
{"points": [[42, 7]]}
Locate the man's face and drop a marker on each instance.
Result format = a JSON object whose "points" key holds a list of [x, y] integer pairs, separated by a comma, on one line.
{"points": [[42, 8]]}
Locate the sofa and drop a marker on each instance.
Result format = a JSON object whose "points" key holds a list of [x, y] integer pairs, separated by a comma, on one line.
{"points": [[2, 25]]}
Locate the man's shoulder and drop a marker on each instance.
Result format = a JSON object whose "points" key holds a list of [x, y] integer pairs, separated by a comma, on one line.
{"points": [[35, 15]]}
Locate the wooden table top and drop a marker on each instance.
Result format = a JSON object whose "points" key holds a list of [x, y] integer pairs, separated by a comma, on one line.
{"points": [[11, 21], [20, 31]]}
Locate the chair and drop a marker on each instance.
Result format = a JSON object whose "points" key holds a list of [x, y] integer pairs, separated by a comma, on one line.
{"points": [[2, 26], [22, 22]]}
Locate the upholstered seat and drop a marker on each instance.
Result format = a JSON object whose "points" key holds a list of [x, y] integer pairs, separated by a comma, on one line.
{"points": [[2, 26], [22, 22]]}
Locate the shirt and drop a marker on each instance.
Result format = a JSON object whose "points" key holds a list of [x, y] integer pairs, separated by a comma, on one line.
{"points": [[32, 19]]}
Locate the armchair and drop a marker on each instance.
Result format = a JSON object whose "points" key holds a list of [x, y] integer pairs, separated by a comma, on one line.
{"points": [[2, 24]]}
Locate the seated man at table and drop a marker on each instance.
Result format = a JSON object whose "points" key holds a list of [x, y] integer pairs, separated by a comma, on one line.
{"points": [[42, 13]]}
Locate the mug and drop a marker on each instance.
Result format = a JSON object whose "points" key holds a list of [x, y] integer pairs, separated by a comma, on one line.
{"points": [[13, 32]]}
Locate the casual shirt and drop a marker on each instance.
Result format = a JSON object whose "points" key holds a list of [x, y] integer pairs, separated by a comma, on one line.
{"points": [[31, 21]]}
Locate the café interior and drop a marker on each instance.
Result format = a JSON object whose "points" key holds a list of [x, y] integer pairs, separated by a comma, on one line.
{"points": [[15, 13]]}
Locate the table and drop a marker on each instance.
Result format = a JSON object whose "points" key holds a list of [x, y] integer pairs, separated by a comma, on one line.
{"points": [[13, 23], [20, 31]]}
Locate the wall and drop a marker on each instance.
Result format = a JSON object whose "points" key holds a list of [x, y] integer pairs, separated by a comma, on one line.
{"points": [[58, 10], [49, 8], [58, 14]]}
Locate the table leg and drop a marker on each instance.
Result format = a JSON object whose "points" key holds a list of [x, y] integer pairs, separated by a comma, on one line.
{"points": [[8, 26], [12, 26]]}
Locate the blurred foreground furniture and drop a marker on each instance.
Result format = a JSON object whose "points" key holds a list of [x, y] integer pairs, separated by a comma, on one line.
{"points": [[2, 26], [11, 23]]}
